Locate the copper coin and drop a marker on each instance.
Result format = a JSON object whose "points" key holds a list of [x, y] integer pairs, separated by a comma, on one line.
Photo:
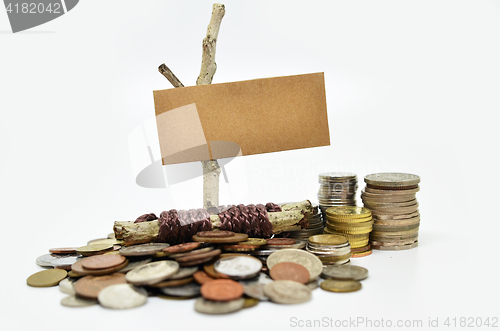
{"points": [[201, 277], [362, 254], [196, 262], [173, 282], [290, 271], [281, 241], [102, 261], [63, 267], [89, 287], [199, 256], [78, 268], [240, 248], [222, 290], [215, 234], [63, 250], [360, 249], [238, 237], [186, 247]]}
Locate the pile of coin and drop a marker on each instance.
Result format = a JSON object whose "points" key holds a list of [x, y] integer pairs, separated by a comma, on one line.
{"points": [[354, 223], [314, 226], [391, 198], [337, 189], [330, 248]]}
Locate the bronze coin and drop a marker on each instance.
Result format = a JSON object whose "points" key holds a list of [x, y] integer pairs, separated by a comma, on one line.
{"points": [[63, 267], [143, 249], [222, 240], [97, 262], [290, 271], [221, 290], [281, 241], [201, 277], [240, 248], [79, 269], [186, 247], [46, 278], [63, 250], [173, 282], [89, 287], [215, 234], [360, 249], [196, 262], [200, 256], [362, 254]]}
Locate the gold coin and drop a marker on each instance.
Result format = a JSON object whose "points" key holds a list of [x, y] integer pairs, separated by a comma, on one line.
{"points": [[348, 212], [348, 220], [93, 249], [359, 244], [105, 241], [350, 225], [254, 242], [327, 239], [46, 278], [333, 285], [250, 302]]}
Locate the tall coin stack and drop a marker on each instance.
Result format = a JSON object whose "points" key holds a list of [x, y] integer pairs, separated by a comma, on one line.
{"points": [[337, 189], [329, 248], [391, 198], [354, 223]]}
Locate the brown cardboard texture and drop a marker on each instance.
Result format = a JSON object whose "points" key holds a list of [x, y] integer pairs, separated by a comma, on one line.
{"points": [[242, 118]]}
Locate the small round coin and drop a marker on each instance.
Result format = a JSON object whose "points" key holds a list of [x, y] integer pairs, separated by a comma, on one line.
{"points": [[122, 296], [94, 249], [345, 272], [102, 261], [76, 302], [89, 287], [152, 273], [327, 239], [215, 234], [222, 290], [287, 292], [334, 285], [290, 271], [63, 250], [238, 267], [205, 306], [46, 278], [392, 179], [66, 286], [143, 249]]}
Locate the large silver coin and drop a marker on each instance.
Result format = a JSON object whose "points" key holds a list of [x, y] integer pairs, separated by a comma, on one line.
{"points": [[188, 290], [66, 286], [311, 262], [152, 273], [287, 292], [122, 296], [183, 273], [75, 302], [238, 267], [392, 179], [345, 272], [55, 260], [218, 307]]}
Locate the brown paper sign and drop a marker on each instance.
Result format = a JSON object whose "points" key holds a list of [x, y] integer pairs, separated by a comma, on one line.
{"points": [[216, 121]]}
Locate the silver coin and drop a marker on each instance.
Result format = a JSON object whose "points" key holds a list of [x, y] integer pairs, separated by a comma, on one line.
{"points": [[392, 179], [66, 286], [395, 248], [57, 260], [345, 272], [122, 296], [152, 273], [218, 307], [337, 174], [255, 288], [75, 302], [287, 292], [134, 264], [238, 267], [313, 285], [311, 262], [262, 252], [184, 273], [188, 290], [143, 249]]}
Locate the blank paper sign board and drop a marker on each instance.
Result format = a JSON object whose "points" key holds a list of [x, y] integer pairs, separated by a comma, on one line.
{"points": [[215, 121]]}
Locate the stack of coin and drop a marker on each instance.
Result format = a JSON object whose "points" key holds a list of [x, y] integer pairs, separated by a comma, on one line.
{"points": [[391, 198], [330, 248], [355, 223], [337, 189], [314, 226]]}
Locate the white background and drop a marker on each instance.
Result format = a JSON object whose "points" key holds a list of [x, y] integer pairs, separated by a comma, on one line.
{"points": [[411, 86]]}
